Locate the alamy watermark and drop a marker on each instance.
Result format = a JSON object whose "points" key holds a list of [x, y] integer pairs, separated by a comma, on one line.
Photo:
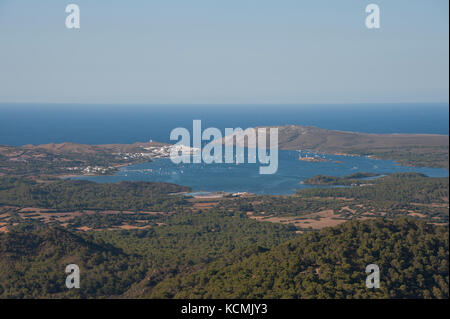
{"points": [[373, 279], [73, 279], [73, 19], [373, 17], [261, 145], [372, 20]]}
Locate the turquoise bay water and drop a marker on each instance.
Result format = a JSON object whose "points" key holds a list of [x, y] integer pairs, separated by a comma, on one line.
{"points": [[105, 124], [246, 177]]}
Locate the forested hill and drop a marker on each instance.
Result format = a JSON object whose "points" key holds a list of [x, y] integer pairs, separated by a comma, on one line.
{"points": [[72, 195], [412, 256], [399, 187], [33, 257], [30, 260]]}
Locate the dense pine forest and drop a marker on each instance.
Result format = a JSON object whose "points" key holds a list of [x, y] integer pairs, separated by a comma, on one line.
{"points": [[149, 240], [114, 263], [228, 256], [73, 195], [412, 256], [399, 187]]}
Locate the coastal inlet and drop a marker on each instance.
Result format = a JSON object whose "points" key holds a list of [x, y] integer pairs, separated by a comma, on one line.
{"points": [[245, 177]]}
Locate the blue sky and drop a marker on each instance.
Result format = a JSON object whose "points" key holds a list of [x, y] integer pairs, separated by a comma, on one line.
{"points": [[224, 52]]}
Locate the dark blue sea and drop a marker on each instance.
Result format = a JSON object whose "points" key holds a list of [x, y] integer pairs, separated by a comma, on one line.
{"points": [[104, 124]]}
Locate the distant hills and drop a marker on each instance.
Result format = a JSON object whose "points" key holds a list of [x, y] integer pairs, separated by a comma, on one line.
{"points": [[407, 149], [71, 148], [67, 159]]}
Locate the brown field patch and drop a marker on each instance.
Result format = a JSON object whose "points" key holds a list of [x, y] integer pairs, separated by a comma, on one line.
{"points": [[5, 215], [63, 217], [325, 218], [204, 205], [35, 210], [319, 224], [129, 227], [410, 213], [84, 228]]}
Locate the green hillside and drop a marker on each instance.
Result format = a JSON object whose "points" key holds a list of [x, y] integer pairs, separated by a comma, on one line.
{"points": [[412, 256], [73, 195], [115, 263], [33, 261]]}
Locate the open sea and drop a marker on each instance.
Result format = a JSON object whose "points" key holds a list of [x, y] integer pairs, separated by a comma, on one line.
{"points": [[104, 124]]}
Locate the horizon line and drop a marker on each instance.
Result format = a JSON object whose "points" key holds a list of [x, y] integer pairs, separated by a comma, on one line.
{"points": [[215, 104]]}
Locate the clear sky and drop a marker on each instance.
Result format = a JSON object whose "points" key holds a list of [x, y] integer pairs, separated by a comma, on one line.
{"points": [[224, 51]]}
